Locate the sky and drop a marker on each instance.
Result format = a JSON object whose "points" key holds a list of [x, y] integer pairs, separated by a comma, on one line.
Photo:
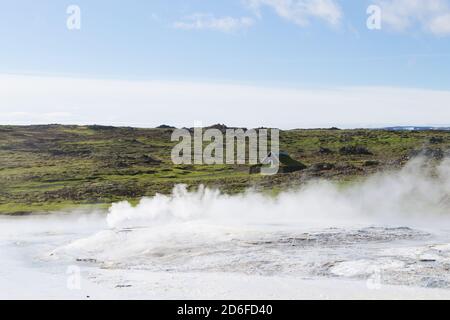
{"points": [[282, 63]]}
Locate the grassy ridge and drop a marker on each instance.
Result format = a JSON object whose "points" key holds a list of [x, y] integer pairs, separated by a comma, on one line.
{"points": [[47, 168]]}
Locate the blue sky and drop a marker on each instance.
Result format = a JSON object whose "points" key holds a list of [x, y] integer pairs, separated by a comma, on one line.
{"points": [[307, 44], [137, 39]]}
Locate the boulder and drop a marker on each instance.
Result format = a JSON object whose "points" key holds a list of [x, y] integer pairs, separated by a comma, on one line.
{"points": [[354, 150]]}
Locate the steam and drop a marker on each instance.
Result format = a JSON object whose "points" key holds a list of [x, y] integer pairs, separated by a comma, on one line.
{"points": [[321, 228], [170, 243], [417, 194]]}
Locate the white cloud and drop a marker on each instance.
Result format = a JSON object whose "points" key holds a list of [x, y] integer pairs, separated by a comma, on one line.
{"points": [[300, 12], [37, 100], [440, 25], [200, 21], [430, 15]]}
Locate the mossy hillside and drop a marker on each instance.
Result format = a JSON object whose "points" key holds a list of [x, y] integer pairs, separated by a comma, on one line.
{"points": [[55, 167]]}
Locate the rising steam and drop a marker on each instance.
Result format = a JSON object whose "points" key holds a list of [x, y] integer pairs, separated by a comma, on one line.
{"points": [[418, 192]]}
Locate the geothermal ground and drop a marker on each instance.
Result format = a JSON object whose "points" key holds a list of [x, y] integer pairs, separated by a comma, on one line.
{"points": [[386, 237], [201, 260]]}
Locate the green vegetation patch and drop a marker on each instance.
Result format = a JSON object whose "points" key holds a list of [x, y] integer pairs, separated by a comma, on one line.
{"points": [[55, 167]]}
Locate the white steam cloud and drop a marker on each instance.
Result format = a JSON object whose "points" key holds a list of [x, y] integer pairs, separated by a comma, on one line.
{"points": [[387, 221], [417, 191]]}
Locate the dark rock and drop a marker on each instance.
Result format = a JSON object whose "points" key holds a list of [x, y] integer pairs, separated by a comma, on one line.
{"points": [[97, 127], [218, 126], [150, 160], [87, 260], [433, 153], [286, 164], [290, 169], [427, 260], [70, 153], [322, 167], [371, 163], [347, 168], [354, 150], [121, 164], [255, 169], [165, 126], [436, 140], [323, 150]]}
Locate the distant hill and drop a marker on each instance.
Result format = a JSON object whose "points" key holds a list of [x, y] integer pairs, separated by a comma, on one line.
{"points": [[413, 128]]}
